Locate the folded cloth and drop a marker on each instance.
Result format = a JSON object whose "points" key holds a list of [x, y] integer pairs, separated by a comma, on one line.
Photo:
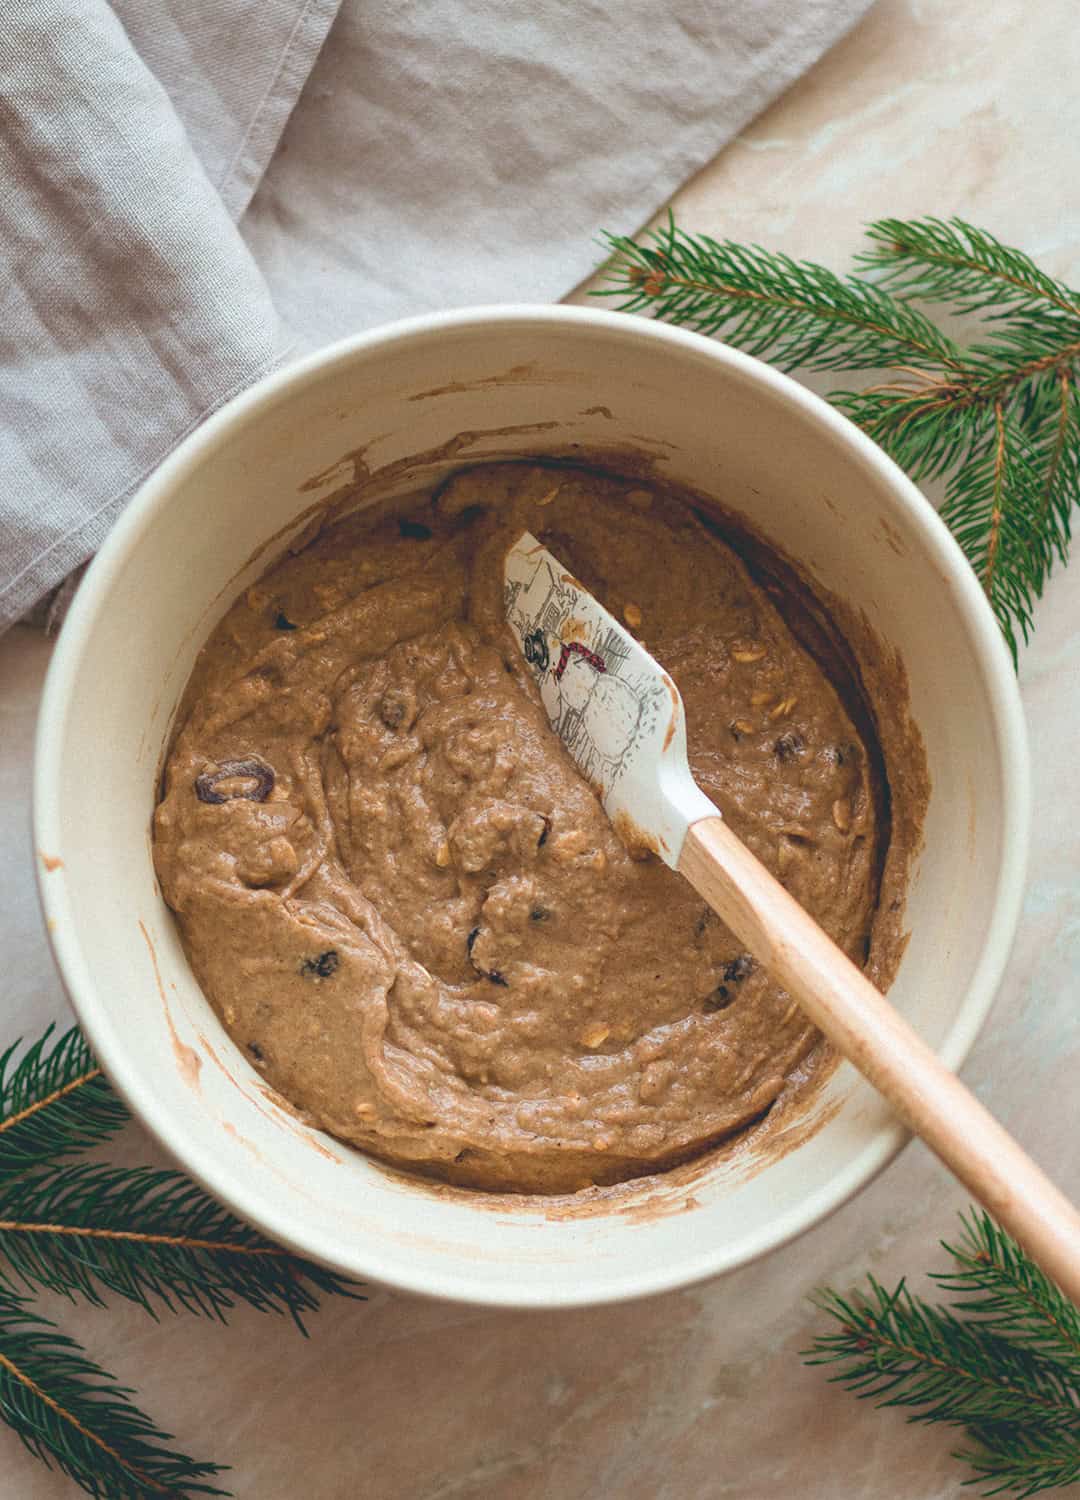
{"points": [[449, 152], [132, 306], [443, 152]]}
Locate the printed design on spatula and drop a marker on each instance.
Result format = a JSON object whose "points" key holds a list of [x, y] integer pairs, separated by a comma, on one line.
{"points": [[602, 699]]}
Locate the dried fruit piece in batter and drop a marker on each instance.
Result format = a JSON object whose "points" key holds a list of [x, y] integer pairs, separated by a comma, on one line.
{"points": [[257, 771], [789, 745], [322, 966]]}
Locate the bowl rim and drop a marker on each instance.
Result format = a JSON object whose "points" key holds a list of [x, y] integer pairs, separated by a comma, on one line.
{"points": [[496, 1288]]}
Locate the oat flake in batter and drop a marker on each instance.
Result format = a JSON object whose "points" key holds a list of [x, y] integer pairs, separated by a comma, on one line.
{"points": [[410, 910]]}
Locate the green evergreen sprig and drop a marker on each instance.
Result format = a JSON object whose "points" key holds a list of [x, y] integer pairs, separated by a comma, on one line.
{"points": [[53, 1102], [71, 1413], [967, 268], [152, 1237], [88, 1231], [998, 417], [1009, 1293], [1002, 1362], [799, 315]]}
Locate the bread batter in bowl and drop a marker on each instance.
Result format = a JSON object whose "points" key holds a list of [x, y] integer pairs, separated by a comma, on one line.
{"points": [[410, 910]]}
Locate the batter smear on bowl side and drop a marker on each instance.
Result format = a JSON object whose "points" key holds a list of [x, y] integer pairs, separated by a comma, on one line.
{"points": [[408, 907]]}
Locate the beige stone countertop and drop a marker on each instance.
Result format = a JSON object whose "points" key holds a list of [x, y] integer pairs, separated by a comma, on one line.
{"points": [[969, 107]]}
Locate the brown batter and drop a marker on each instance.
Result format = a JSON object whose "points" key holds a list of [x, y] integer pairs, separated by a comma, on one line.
{"points": [[410, 910]]}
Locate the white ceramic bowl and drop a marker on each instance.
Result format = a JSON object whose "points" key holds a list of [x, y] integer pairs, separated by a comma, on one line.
{"points": [[518, 380]]}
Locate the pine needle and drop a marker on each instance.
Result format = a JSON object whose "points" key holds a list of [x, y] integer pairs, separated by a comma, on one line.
{"points": [[53, 1102], [152, 1237], [71, 1414]]}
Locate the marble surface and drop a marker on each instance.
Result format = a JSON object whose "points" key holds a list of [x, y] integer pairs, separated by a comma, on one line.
{"points": [[967, 107]]}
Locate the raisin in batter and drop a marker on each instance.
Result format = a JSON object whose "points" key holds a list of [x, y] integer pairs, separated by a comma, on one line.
{"points": [[411, 911]]}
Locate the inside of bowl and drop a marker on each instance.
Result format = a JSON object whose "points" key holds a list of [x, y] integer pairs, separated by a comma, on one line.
{"points": [[453, 393]]}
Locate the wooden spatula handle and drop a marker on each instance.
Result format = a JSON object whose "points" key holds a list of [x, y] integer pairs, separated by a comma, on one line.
{"points": [[861, 1024]]}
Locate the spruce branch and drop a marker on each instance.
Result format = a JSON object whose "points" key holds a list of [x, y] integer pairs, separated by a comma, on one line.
{"points": [[802, 315], [1049, 415], [152, 1237], [994, 505], [904, 416], [903, 1352], [1009, 1294], [950, 261], [53, 1102], [69, 1412], [85, 1230], [1003, 1362], [996, 419], [1021, 1460]]}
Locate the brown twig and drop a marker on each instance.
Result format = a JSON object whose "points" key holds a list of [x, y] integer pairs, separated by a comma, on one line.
{"points": [[78, 1231], [1054, 462], [995, 514]]}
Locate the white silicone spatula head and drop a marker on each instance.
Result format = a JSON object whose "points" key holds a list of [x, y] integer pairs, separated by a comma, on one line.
{"points": [[613, 706]]}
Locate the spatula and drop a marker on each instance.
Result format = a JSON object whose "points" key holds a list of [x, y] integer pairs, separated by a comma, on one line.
{"points": [[621, 718]]}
